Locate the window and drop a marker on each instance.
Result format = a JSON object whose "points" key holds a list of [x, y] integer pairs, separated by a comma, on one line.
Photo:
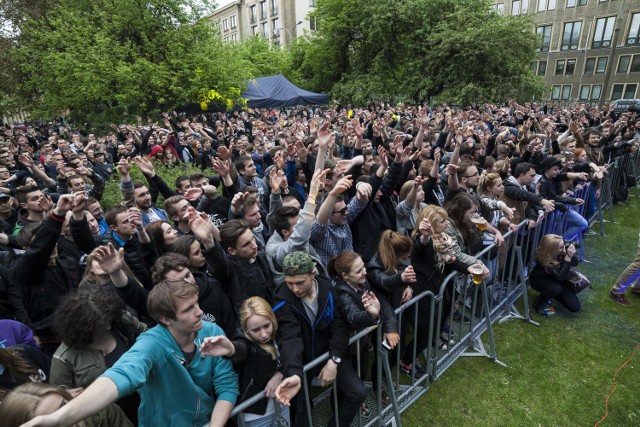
{"points": [[542, 68], [274, 7], [546, 5], [232, 21], [585, 90], [252, 14], [561, 92], [572, 3], [275, 27], [601, 65], [519, 7], [634, 30], [234, 37], [313, 22], [565, 67], [225, 24], [544, 34], [312, 3], [571, 35], [635, 64], [616, 92], [623, 91], [499, 8], [254, 30], [263, 10], [603, 32], [588, 92], [589, 65], [623, 64], [264, 30]]}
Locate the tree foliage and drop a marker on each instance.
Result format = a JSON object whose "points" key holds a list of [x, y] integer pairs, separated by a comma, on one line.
{"points": [[106, 59], [457, 50]]}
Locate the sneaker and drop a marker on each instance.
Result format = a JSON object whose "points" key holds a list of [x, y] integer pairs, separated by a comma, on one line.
{"points": [[636, 291], [546, 309], [462, 318], [408, 370], [365, 411], [620, 298]]}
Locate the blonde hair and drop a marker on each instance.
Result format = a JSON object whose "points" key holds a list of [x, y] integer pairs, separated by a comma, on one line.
{"points": [[19, 405], [547, 253], [431, 213], [487, 181], [392, 246], [256, 306]]}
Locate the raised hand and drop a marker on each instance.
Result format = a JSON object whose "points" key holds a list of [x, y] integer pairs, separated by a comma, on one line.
{"points": [[324, 136], [145, 165], [371, 304], [302, 151], [343, 185], [363, 191], [275, 179], [45, 203], [223, 152], [109, 259], [222, 167], [425, 228], [124, 166]]}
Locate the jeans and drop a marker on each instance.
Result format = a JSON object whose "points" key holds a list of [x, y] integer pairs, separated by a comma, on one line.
{"points": [[550, 288], [629, 276], [575, 224]]}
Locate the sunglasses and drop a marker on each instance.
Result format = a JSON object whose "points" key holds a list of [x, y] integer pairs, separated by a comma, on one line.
{"points": [[341, 211]]}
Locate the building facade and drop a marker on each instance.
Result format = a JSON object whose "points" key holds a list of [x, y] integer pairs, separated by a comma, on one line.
{"points": [[279, 21], [589, 49]]}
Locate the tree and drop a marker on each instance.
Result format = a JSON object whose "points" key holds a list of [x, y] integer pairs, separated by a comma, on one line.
{"points": [[457, 50], [106, 59]]}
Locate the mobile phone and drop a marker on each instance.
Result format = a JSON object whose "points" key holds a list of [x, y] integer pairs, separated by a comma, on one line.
{"points": [[386, 345]]}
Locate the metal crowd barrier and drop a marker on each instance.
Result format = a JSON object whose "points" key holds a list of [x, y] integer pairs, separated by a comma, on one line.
{"points": [[460, 314]]}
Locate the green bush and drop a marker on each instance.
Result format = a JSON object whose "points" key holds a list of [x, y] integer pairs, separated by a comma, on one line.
{"points": [[111, 196]]}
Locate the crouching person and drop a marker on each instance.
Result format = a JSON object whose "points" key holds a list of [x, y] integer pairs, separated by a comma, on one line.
{"points": [[310, 324], [177, 385]]}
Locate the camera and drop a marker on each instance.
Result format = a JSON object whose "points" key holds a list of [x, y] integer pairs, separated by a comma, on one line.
{"points": [[568, 243]]}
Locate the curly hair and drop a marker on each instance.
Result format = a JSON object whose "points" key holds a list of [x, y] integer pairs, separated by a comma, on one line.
{"points": [[82, 314]]}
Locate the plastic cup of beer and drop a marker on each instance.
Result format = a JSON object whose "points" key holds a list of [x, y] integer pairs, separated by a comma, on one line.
{"points": [[476, 272], [480, 222]]}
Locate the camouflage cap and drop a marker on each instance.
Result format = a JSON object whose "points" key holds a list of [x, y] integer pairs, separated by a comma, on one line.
{"points": [[297, 263]]}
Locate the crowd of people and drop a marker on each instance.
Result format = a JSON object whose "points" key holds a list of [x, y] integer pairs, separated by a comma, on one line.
{"points": [[300, 228]]}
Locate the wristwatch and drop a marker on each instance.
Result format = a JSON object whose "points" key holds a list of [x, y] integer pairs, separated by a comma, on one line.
{"points": [[336, 359]]}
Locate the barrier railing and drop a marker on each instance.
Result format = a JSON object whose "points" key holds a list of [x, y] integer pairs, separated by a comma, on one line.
{"points": [[459, 315]]}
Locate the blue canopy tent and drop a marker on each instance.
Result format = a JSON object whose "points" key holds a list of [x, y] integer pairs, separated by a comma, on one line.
{"points": [[277, 92]]}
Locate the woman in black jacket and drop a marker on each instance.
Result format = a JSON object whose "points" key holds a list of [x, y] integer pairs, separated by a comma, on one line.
{"points": [[391, 278], [256, 358], [433, 258], [554, 259]]}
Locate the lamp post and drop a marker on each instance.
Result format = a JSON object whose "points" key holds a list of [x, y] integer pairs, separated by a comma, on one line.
{"points": [[289, 32]]}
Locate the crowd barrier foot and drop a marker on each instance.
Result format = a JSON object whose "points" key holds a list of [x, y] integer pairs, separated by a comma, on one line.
{"points": [[477, 349], [514, 314]]}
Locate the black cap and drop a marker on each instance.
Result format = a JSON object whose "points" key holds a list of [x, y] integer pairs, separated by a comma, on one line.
{"points": [[548, 163]]}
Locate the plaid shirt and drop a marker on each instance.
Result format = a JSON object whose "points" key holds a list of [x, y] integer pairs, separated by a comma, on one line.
{"points": [[330, 240]]}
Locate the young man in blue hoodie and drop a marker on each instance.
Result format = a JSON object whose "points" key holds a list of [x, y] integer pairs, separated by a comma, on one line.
{"points": [[178, 386]]}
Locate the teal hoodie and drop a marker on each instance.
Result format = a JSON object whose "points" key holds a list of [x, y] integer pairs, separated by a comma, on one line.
{"points": [[171, 393]]}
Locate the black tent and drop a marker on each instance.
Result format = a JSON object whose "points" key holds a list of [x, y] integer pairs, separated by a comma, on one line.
{"points": [[276, 92]]}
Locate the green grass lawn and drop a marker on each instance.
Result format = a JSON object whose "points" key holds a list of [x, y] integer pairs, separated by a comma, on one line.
{"points": [[559, 373]]}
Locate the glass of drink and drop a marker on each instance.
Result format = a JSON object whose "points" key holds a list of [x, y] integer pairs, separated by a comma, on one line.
{"points": [[480, 222], [476, 272]]}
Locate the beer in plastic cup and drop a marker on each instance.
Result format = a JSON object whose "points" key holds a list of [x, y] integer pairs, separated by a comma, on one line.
{"points": [[480, 222], [476, 272]]}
